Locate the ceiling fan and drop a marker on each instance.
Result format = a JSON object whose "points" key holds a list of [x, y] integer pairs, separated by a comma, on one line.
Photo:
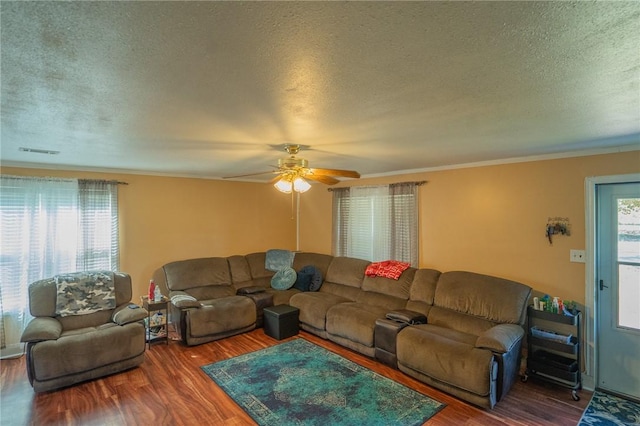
{"points": [[293, 172]]}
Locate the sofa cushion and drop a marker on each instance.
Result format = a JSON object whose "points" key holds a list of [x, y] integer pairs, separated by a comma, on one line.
{"points": [[397, 288], [314, 306], [42, 297], [86, 349], [384, 301], [483, 296], [222, 315], [320, 261], [239, 268], [354, 321], [423, 290], [281, 297], [443, 356], [256, 263], [211, 292], [423, 287], [453, 320], [347, 271], [203, 272]]}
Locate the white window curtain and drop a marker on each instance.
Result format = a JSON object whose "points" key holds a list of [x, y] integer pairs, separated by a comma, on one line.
{"points": [[49, 226], [377, 222]]}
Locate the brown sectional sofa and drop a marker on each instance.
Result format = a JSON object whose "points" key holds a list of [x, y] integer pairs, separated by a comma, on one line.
{"points": [[470, 345]]}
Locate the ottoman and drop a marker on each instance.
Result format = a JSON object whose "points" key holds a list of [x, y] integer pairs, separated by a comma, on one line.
{"points": [[281, 321]]}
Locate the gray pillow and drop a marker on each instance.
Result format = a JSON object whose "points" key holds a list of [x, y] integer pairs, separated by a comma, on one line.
{"points": [[284, 279]]}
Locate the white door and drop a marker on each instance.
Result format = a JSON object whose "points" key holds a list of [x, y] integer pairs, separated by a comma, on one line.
{"points": [[618, 288]]}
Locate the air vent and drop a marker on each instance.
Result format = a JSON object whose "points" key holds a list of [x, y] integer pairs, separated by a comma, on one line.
{"points": [[39, 151]]}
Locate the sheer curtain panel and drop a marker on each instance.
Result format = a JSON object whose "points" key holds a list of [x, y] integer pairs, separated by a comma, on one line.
{"points": [[39, 239], [50, 226]]}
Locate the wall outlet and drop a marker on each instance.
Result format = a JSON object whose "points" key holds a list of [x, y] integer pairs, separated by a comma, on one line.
{"points": [[577, 256]]}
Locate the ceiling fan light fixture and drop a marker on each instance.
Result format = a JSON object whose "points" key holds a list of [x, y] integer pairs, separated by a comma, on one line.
{"points": [[284, 185], [301, 185]]}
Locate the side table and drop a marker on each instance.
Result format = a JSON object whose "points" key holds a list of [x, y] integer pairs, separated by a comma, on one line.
{"points": [[157, 324]]}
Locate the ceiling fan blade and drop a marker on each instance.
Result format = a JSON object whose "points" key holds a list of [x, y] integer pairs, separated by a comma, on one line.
{"points": [[275, 179], [334, 172], [250, 174], [328, 180]]}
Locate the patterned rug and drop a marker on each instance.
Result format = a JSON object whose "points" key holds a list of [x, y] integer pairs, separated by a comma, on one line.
{"points": [[606, 410], [298, 382]]}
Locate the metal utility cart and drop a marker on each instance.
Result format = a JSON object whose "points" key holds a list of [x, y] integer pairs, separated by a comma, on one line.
{"points": [[554, 359]]}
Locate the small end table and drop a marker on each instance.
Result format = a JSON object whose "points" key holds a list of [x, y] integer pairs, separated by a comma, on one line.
{"points": [[158, 312]]}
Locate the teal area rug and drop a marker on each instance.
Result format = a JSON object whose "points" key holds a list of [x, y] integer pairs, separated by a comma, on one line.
{"points": [[609, 410], [300, 383]]}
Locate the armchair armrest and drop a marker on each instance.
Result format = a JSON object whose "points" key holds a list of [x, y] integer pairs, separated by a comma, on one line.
{"points": [[500, 338], [42, 328], [124, 314], [183, 300]]}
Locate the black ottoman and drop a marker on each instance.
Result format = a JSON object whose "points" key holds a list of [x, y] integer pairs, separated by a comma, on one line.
{"points": [[281, 321]]}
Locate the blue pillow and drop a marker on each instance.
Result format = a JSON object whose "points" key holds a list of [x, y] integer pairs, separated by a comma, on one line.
{"points": [[316, 277], [284, 279], [303, 282]]}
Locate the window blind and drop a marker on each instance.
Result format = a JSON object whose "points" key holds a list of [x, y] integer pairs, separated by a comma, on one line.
{"points": [[376, 222]]}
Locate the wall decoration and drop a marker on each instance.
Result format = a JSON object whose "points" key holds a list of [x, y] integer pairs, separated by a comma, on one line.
{"points": [[557, 225]]}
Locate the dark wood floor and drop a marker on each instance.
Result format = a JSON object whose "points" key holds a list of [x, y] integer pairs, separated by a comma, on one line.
{"points": [[169, 388]]}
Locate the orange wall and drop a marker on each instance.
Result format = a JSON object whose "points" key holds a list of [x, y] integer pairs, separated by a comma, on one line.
{"points": [[485, 219], [492, 219], [163, 219]]}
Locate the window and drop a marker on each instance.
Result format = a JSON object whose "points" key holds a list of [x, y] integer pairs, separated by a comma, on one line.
{"points": [[377, 222], [50, 226]]}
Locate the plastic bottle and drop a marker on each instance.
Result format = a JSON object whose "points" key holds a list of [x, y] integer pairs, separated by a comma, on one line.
{"points": [[152, 290], [555, 306], [157, 294]]}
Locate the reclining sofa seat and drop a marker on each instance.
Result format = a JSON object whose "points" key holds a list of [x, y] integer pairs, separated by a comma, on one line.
{"points": [[470, 346], [352, 324], [204, 304], [65, 350], [341, 284]]}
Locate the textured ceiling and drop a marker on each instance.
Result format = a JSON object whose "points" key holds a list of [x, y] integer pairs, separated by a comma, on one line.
{"points": [[214, 89]]}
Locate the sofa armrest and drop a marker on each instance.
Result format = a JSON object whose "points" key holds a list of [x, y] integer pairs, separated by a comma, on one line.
{"points": [[124, 314], [42, 328], [501, 338], [183, 300], [245, 291], [406, 316]]}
